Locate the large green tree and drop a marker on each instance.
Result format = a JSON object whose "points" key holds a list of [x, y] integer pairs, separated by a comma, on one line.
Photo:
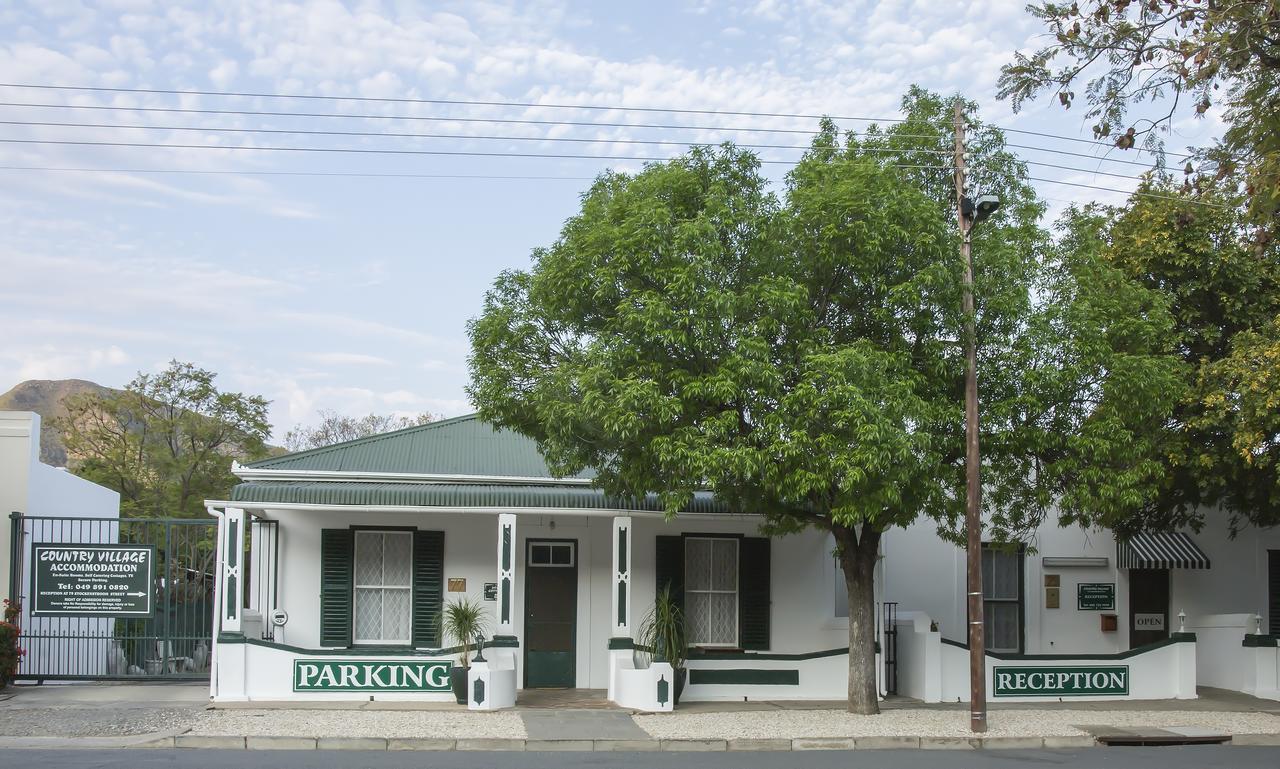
{"points": [[1221, 445], [165, 442], [1141, 65], [801, 357]]}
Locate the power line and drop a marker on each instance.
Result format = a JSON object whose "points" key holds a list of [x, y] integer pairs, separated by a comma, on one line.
{"points": [[527, 105], [1138, 193], [370, 151], [450, 102], [398, 135], [356, 174]]}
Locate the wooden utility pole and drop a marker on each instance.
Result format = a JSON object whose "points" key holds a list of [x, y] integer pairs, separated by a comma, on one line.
{"points": [[965, 213]]}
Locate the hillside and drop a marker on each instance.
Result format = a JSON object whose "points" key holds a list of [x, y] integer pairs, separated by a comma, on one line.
{"points": [[46, 397]]}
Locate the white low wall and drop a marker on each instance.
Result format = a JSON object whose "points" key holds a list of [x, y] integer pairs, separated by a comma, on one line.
{"points": [[497, 678], [932, 670], [639, 688], [260, 671], [1262, 655], [820, 676], [1219, 658]]}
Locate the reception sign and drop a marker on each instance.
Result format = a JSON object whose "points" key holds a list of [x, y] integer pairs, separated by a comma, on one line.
{"points": [[371, 675], [1096, 596], [1083, 681], [92, 580]]}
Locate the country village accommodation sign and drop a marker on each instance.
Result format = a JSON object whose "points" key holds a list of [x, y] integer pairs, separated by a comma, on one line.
{"points": [[1084, 681], [92, 580], [371, 675]]}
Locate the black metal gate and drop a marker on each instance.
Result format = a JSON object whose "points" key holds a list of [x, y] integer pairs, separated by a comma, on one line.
{"points": [[173, 643], [890, 630]]}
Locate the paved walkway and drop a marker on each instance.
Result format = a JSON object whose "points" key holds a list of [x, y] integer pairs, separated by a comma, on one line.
{"points": [[581, 725]]}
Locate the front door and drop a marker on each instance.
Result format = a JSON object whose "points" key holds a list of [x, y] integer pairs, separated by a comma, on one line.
{"points": [[1148, 606], [550, 613]]}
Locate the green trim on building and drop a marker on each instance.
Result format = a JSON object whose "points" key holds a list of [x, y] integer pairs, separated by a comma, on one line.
{"points": [[367, 651], [1173, 638], [1252, 641], [743, 677]]}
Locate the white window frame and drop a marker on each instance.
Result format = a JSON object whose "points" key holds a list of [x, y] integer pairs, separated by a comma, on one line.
{"points": [[737, 603], [356, 587]]}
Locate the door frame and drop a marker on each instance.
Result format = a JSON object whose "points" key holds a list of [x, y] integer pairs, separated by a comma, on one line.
{"points": [[573, 643], [1168, 611]]}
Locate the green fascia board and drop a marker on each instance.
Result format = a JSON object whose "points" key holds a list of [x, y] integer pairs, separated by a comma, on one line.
{"points": [[1174, 638], [456, 495], [463, 445], [367, 651]]}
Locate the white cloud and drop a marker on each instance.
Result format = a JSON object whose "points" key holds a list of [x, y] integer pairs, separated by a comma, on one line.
{"points": [[345, 359]]}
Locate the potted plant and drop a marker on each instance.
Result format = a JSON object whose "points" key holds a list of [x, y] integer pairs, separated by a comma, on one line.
{"points": [[463, 623], [663, 634], [10, 652]]}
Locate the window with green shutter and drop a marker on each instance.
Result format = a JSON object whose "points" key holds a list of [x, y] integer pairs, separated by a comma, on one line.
{"points": [[696, 568], [371, 597]]}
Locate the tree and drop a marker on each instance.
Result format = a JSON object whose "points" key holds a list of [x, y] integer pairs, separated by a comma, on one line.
{"points": [[337, 428], [1175, 56], [1221, 444], [800, 357], [166, 442]]}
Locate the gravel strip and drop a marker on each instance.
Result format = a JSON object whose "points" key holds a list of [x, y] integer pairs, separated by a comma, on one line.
{"points": [[933, 723], [95, 722], [359, 723]]}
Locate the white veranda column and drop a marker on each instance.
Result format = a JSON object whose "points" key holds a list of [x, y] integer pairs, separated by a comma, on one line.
{"points": [[233, 523], [508, 559], [622, 541]]}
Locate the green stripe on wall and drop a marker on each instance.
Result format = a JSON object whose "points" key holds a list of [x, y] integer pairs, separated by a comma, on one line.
{"points": [[744, 677]]}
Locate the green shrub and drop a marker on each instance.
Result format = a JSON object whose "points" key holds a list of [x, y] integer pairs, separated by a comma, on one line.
{"points": [[10, 653]]}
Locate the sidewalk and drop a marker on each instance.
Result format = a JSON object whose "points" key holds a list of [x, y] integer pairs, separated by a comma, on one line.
{"points": [[116, 716]]}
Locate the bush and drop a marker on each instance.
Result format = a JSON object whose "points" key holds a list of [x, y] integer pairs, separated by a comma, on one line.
{"points": [[10, 652]]}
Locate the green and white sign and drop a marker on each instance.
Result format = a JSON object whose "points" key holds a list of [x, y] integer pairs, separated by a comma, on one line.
{"points": [[92, 580], [1096, 596], [371, 675], [1084, 681]]}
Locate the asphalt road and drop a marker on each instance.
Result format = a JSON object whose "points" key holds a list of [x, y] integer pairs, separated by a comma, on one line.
{"points": [[1096, 758]]}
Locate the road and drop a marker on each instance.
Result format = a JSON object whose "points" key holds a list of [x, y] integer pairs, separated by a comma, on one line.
{"points": [[1096, 758]]}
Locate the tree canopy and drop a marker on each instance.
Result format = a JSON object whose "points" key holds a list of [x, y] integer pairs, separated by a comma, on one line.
{"points": [[801, 355], [337, 428], [166, 442], [1142, 65]]}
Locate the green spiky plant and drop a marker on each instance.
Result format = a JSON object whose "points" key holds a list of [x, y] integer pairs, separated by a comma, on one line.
{"points": [[663, 631], [464, 622]]}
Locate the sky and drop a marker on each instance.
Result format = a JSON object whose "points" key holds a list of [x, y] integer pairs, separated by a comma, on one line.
{"points": [[352, 293]]}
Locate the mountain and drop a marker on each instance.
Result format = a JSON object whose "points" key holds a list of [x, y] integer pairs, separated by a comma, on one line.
{"points": [[47, 397]]}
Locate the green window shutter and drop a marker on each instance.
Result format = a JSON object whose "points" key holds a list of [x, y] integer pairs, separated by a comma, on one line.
{"points": [[337, 548], [428, 587], [669, 566], [753, 593]]}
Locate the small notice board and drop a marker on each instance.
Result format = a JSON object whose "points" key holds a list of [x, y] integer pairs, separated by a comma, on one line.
{"points": [[1096, 596]]}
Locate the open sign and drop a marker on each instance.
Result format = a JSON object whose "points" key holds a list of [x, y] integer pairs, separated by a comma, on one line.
{"points": [[1148, 622]]}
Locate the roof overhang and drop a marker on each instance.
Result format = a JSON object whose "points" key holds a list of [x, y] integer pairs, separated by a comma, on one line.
{"points": [[1160, 550]]}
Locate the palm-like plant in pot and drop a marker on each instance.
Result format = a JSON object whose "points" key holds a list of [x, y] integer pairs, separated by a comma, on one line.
{"points": [[663, 633], [464, 623]]}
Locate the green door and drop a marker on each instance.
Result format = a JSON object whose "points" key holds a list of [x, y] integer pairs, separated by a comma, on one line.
{"points": [[550, 619]]}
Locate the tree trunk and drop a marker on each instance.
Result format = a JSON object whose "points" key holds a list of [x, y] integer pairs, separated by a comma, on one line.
{"points": [[858, 562]]}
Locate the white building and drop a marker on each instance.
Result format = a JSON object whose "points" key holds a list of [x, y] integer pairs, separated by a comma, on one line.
{"points": [[38, 491], [368, 540]]}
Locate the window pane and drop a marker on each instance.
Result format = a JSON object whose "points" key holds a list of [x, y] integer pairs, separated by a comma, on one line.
{"points": [[724, 564], [562, 555], [1000, 574], [1001, 626], [723, 624], [842, 593], [697, 617], [368, 614], [368, 558], [395, 615], [397, 558], [697, 564]]}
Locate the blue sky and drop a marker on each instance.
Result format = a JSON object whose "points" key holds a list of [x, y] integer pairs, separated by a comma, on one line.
{"points": [[352, 294]]}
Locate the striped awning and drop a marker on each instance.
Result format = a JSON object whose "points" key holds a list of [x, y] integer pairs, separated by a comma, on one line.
{"points": [[1160, 551]]}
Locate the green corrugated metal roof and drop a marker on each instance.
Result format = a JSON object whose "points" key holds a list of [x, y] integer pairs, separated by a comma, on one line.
{"points": [[460, 446], [453, 495]]}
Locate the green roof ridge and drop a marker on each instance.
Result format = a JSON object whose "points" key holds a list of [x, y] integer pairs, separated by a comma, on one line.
{"points": [[322, 450]]}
